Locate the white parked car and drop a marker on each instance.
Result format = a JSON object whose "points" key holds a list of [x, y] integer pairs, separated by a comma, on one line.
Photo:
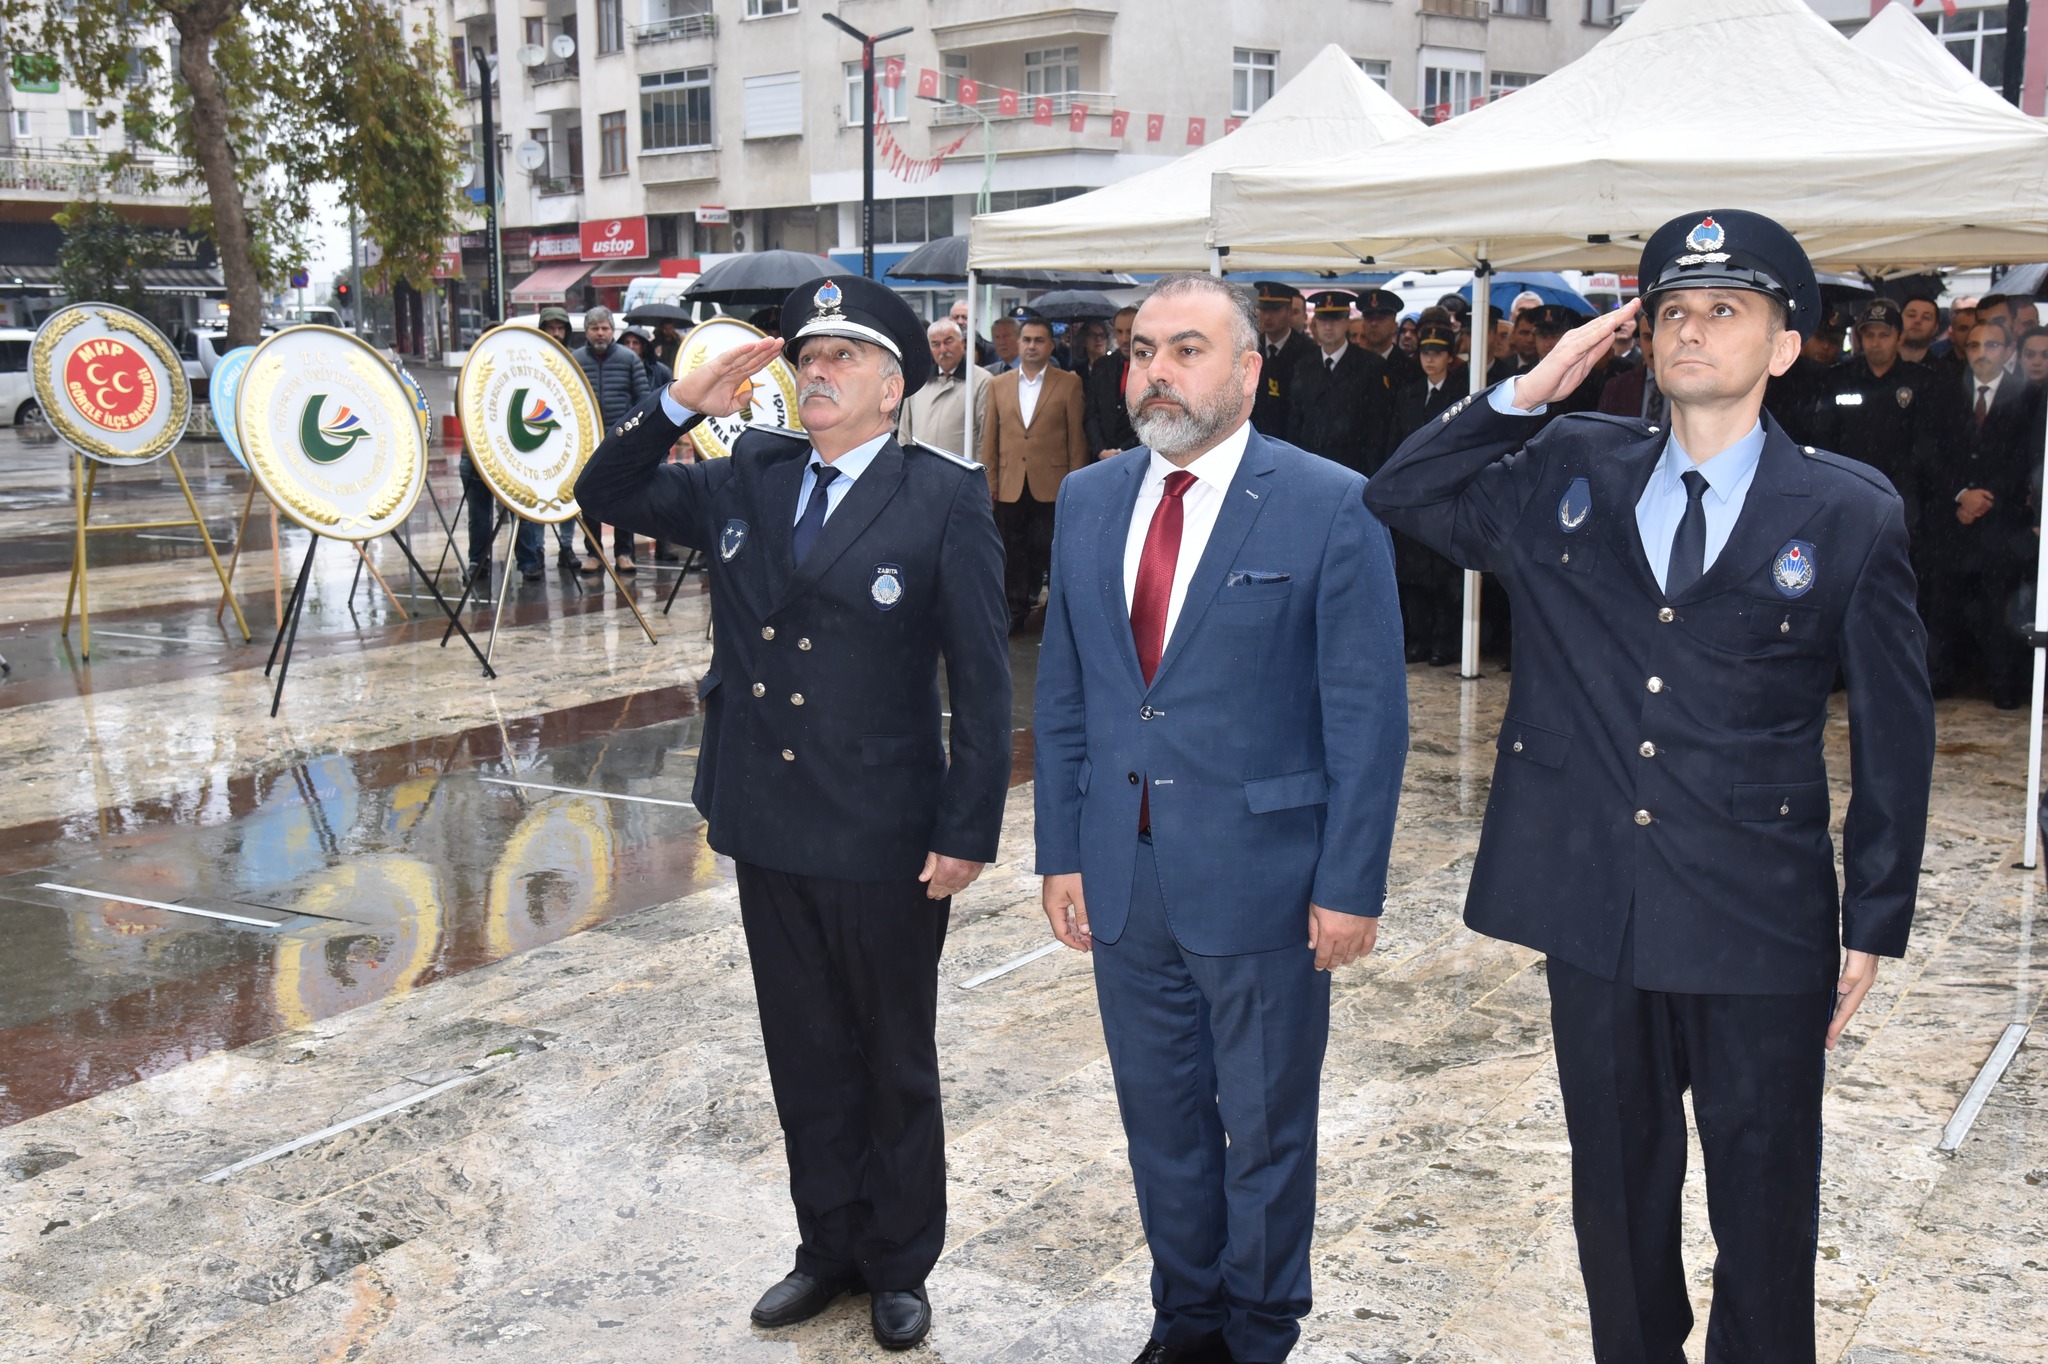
{"points": [[18, 404]]}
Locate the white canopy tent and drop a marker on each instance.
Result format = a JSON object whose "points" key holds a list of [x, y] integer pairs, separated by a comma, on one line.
{"points": [[1159, 220], [1894, 34], [1688, 105]]}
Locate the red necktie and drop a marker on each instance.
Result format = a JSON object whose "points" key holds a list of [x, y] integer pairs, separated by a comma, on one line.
{"points": [[1983, 391], [1154, 592]]}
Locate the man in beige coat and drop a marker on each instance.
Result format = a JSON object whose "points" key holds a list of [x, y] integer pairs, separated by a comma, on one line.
{"points": [[937, 413], [1035, 437]]}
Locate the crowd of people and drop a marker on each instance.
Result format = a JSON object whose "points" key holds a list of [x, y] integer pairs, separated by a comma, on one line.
{"points": [[1946, 403]]}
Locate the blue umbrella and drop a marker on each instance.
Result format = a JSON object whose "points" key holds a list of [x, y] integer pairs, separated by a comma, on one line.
{"points": [[1545, 284]]}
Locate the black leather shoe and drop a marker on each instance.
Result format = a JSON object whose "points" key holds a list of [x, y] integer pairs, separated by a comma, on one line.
{"points": [[1210, 1349], [798, 1297], [901, 1318]]}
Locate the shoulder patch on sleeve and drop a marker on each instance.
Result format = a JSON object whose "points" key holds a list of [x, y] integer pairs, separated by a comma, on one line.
{"points": [[946, 455]]}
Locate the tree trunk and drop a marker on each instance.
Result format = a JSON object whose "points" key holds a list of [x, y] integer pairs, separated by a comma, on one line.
{"points": [[197, 25]]}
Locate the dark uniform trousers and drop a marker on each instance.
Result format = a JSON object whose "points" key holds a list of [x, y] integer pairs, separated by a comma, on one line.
{"points": [[824, 775], [1658, 827], [1755, 1065]]}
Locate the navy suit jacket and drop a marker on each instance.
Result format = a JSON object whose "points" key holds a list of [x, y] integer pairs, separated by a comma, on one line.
{"points": [[1273, 735], [1661, 757], [822, 752]]}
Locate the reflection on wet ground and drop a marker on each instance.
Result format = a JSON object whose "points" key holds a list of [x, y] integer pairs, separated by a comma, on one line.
{"points": [[352, 870]]}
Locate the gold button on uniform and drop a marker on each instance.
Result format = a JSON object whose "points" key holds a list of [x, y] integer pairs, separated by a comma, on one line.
{"points": [[790, 757], [767, 632], [1655, 684], [796, 698], [760, 689], [1648, 750], [1666, 614], [804, 644], [1642, 816]]}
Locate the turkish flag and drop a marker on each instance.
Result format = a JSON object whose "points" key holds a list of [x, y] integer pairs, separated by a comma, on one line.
{"points": [[970, 92], [1006, 103], [892, 72], [927, 83], [1155, 127], [1196, 129], [1119, 121], [1041, 111], [1443, 113], [1231, 125], [1077, 119], [1478, 101]]}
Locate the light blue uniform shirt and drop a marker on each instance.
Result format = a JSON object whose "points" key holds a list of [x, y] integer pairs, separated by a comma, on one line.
{"points": [[850, 465], [1662, 505]]}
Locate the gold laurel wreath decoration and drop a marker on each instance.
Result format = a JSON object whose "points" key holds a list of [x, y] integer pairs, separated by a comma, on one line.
{"points": [[42, 369]]}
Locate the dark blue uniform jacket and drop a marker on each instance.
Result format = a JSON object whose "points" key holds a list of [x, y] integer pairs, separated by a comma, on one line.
{"points": [[1661, 758]]}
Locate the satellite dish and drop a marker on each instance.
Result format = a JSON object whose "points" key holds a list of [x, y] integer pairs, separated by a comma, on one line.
{"points": [[564, 46], [531, 54], [530, 155], [465, 174]]}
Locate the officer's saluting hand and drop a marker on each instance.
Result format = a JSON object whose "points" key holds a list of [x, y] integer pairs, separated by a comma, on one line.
{"points": [[845, 569]]}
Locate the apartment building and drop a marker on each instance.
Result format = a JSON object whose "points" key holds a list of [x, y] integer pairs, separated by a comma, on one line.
{"points": [[666, 133]]}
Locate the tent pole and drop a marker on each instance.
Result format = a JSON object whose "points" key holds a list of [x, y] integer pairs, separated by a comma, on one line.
{"points": [[1482, 332], [2030, 848], [968, 366], [1216, 262]]}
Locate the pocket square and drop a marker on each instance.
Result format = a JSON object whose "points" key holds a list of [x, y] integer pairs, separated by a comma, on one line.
{"points": [[1252, 577]]}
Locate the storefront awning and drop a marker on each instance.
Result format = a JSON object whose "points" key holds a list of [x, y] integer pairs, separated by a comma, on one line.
{"points": [[28, 279], [550, 284], [618, 274], [187, 281]]}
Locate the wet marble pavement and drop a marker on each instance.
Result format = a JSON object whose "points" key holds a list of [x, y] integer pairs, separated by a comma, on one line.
{"points": [[530, 1015]]}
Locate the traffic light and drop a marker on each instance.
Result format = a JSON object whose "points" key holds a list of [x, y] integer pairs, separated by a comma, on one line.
{"points": [[341, 292]]}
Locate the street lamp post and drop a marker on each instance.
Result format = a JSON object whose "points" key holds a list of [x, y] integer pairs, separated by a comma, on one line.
{"points": [[493, 311], [984, 200], [867, 128]]}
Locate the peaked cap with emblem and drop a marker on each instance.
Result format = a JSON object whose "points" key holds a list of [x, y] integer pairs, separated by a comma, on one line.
{"points": [[859, 309], [1731, 248], [1331, 303]]}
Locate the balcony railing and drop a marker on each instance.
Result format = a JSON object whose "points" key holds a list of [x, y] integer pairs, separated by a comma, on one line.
{"points": [[1457, 9], [549, 73], [34, 169], [990, 107], [558, 184], [676, 26]]}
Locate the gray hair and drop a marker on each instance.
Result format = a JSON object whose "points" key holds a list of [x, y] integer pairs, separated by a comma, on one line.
{"points": [[1244, 308], [598, 314], [943, 324]]}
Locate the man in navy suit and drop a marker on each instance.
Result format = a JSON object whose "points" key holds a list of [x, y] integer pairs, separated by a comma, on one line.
{"points": [[1221, 721], [1658, 822]]}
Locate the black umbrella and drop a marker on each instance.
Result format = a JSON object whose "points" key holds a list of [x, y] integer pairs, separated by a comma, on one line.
{"points": [[1073, 305], [649, 313], [2028, 281], [759, 277], [945, 262]]}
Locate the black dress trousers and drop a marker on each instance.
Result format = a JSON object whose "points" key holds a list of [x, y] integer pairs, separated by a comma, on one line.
{"points": [[1026, 526], [846, 974], [1756, 1065]]}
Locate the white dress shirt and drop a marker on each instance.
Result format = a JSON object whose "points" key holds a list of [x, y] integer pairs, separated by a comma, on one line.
{"points": [[1028, 390], [1991, 396], [1331, 357], [1201, 504]]}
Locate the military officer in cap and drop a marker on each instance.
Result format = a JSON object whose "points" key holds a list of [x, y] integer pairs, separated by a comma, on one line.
{"points": [[1432, 591], [1379, 312], [1552, 321], [844, 569], [1883, 410], [1658, 823], [1281, 348], [1340, 403]]}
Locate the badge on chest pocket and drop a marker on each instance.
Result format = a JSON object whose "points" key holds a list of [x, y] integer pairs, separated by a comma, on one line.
{"points": [[1574, 507], [732, 540], [1794, 568], [887, 588]]}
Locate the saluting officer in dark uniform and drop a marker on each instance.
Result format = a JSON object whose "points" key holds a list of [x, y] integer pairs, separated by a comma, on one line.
{"points": [[1658, 822], [1885, 411], [1281, 348], [844, 568], [1340, 404]]}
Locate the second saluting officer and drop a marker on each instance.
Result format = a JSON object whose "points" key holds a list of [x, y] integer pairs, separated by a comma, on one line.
{"points": [[844, 568], [1658, 823]]}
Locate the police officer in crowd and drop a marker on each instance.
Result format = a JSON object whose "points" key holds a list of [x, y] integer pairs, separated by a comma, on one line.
{"points": [[1880, 409], [1795, 396], [1659, 818], [844, 569], [1108, 419], [1340, 401], [1977, 543], [1281, 347], [1432, 590]]}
